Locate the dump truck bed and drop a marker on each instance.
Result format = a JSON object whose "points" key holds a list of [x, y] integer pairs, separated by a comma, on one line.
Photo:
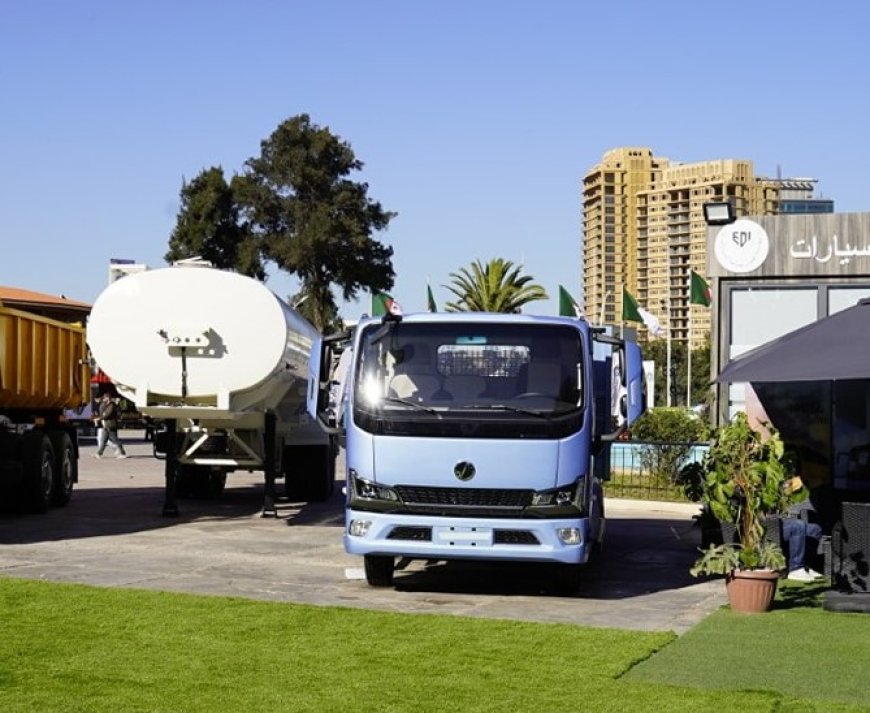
{"points": [[43, 363]]}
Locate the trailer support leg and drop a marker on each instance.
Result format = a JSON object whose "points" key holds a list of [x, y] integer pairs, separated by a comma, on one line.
{"points": [[269, 509], [170, 503]]}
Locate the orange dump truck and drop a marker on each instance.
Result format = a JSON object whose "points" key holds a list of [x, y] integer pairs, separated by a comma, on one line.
{"points": [[43, 370]]}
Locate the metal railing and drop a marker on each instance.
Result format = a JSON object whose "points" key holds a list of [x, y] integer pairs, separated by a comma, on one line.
{"points": [[647, 470]]}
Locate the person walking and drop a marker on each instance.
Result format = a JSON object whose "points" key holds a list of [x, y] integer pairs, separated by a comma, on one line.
{"points": [[107, 425]]}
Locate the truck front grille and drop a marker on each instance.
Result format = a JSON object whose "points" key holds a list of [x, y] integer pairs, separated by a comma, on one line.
{"points": [[465, 497], [514, 537], [411, 533]]}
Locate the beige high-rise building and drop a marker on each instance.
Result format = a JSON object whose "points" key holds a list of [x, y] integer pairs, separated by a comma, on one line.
{"points": [[644, 229]]}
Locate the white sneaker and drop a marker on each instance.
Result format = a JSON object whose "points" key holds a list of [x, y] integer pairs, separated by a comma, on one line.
{"points": [[121, 456], [97, 455], [804, 575]]}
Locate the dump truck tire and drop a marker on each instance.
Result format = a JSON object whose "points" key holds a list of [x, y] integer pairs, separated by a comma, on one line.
{"points": [[39, 466]]}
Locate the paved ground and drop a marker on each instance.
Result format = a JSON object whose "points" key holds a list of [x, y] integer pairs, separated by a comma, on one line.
{"points": [[112, 534]]}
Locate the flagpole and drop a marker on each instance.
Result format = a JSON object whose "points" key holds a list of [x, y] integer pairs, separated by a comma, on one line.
{"points": [[669, 355], [689, 354], [603, 305], [667, 307]]}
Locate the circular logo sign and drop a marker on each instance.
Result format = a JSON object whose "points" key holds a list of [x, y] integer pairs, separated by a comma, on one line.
{"points": [[464, 470], [742, 246]]}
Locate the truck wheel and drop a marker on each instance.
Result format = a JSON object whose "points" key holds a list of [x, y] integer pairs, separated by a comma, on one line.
{"points": [[65, 468], [38, 483], [567, 579], [379, 570]]}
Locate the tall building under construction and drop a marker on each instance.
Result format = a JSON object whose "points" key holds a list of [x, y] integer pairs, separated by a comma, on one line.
{"points": [[644, 230]]}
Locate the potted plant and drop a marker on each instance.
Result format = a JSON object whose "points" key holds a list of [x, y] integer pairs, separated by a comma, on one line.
{"points": [[743, 475]]}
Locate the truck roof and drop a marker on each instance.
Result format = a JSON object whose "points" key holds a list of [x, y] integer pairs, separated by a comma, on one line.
{"points": [[60, 308], [478, 317]]}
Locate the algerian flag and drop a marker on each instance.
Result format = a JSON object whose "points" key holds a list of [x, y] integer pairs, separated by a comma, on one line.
{"points": [[430, 300], [632, 313], [382, 304], [568, 307], [700, 292]]}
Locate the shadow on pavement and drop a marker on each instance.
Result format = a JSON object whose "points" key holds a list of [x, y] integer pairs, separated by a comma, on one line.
{"points": [[103, 511]]}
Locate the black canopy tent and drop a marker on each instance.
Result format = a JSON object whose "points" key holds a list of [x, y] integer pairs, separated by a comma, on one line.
{"points": [[833, 348], [814, 386]]}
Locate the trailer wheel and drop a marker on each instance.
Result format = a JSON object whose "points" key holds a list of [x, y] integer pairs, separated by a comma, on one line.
{"points": [[38, 483], [199, 482], [65, 468], [379, 570], [184, 481], [217, 481]]}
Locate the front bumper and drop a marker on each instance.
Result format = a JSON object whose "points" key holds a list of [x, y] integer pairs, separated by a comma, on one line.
{"points": [[422, 537]]}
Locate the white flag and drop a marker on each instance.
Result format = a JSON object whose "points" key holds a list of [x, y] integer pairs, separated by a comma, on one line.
{"points": [[652, 323]]}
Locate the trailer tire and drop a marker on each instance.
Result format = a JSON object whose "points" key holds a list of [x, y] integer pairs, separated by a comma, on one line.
{"points": [[184, 481], [217, 482], [379, 570], [65, 468], [199, 482], [39, 465]]}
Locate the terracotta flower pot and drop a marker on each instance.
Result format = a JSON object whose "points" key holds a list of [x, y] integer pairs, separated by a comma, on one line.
{"points": [[751, 591]]}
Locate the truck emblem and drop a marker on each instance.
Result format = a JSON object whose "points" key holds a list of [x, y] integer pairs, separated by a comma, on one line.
{"points": [[464, 470]]}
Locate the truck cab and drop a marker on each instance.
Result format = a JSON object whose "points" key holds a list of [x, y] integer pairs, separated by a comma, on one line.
{"points": [[475, 436]]}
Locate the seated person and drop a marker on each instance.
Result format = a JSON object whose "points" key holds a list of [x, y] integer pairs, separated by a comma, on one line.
{"points": [[414, 376], [801, 537]]}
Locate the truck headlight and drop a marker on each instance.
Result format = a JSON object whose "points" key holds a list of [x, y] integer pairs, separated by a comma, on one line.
{"points": [[367, 490], [570, 535], [561, 496], [359, 528]]}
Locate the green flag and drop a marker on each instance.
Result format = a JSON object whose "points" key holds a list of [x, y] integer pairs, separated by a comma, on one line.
{"points": [[629, 307], [632, 313], [700, 292], [382, 303], [568, 307], [430, 300]]}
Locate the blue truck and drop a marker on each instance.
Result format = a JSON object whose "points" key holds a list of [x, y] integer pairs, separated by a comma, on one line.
{"points": [[477, 436]]}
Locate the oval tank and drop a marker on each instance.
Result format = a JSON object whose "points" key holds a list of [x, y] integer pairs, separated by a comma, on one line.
{"points": [[199, 337]]}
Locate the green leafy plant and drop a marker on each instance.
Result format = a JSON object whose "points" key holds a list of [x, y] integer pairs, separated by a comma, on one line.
{"points": [[743, 484], [669, 435]]}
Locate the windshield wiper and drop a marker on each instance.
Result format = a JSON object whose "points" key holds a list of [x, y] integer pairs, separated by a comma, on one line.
{"points": [[505, 407], [414, 404]]}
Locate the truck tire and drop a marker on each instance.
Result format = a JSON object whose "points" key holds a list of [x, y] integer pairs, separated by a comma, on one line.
{"points": [[567, 579], [65, 468], [379, 570], [39, 465], [309, 473]]}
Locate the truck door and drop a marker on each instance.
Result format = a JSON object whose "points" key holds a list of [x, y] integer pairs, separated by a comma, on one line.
{"points": [[633, 381], [327, 378]]}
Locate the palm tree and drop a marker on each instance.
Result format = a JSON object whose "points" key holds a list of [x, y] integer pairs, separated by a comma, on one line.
{"points": [[497, 286]]}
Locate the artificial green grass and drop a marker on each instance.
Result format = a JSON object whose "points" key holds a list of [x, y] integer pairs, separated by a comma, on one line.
{"points": [[80, 648], [797, 649]]}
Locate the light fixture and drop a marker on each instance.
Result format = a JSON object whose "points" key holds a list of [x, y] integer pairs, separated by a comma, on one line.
{"points": [[721, 213]]}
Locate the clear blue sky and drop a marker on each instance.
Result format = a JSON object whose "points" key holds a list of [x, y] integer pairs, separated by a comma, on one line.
{"points": [[475, 120]]}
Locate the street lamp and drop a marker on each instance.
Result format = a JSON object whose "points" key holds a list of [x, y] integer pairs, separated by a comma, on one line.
{"points": [[719, 213]]}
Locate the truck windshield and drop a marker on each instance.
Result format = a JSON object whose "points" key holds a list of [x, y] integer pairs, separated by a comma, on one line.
{"points": [[492, 378]]}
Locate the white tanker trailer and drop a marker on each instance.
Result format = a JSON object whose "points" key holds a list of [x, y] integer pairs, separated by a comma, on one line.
{"points": [[228, 367]]}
